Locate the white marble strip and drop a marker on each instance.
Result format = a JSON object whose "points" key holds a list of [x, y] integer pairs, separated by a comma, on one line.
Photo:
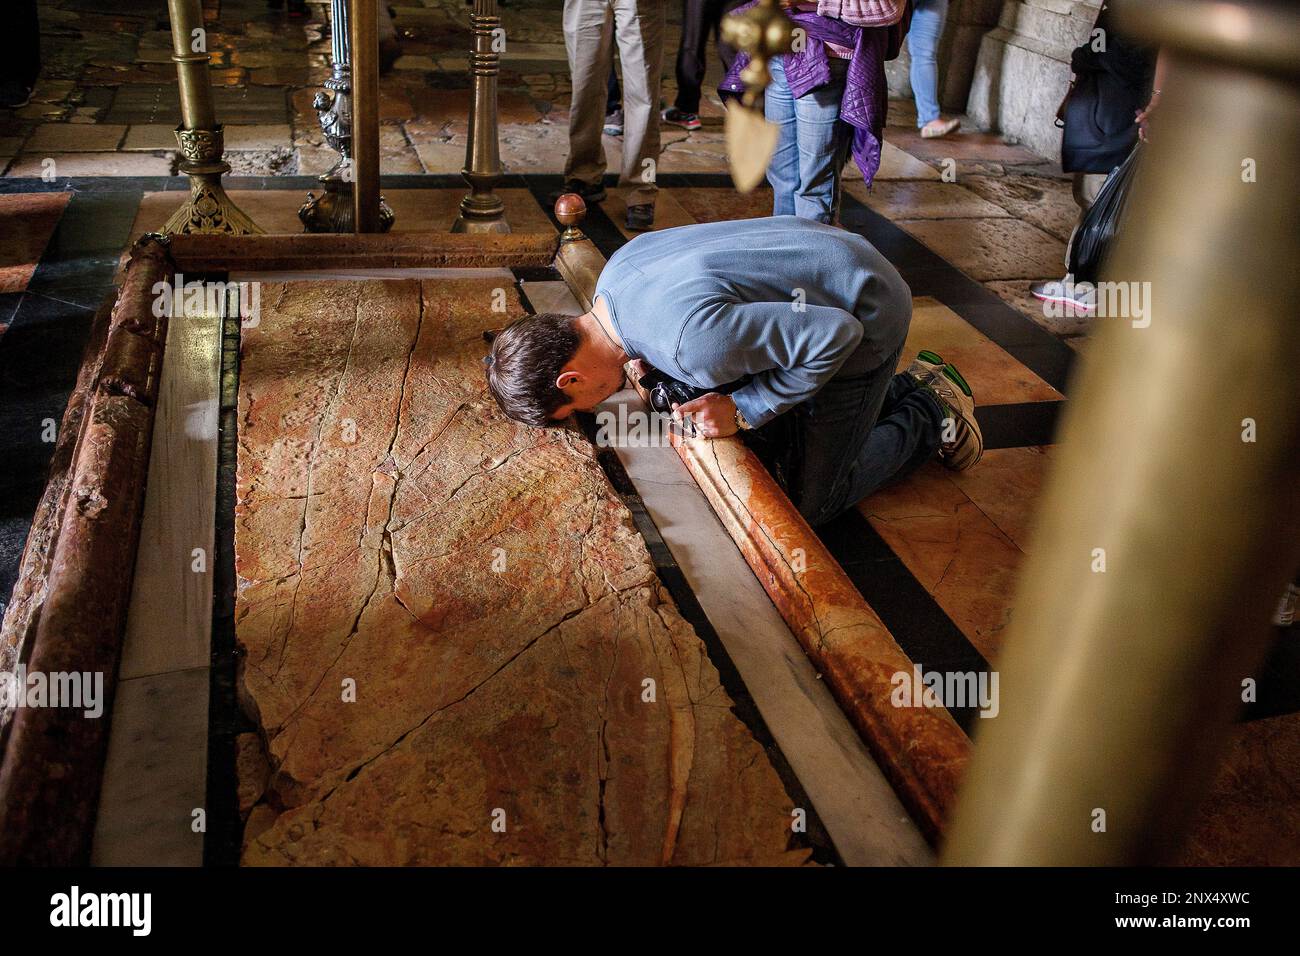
{"points": [[155, 777]]}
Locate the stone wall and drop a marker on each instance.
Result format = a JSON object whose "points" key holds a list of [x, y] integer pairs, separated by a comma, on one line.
{"points": [[1023, 70], [1006, 64], [968, 21]]}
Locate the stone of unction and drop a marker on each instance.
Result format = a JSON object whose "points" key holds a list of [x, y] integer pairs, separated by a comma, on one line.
{"points": [[454, 640]]}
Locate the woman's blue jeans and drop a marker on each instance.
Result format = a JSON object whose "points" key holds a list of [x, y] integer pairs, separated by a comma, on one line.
{"points": [[812, 148], [923, 43]]}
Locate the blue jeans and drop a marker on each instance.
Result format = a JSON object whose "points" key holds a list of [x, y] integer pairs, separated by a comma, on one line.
{"points": [[864, 429], [923, 42], [812, 148]]}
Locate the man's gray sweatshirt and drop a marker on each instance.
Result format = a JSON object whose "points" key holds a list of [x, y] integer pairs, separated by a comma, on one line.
{"points": [[783, 300]]}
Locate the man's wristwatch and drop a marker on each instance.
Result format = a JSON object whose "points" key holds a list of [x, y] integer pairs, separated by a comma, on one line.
{"points": [[740, 421]]}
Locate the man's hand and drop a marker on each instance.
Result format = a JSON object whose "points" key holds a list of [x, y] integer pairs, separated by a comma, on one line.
{"points": [[713, 415]]}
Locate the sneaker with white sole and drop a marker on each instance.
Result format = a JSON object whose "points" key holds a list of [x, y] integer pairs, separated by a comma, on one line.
{"points": [[966, 444], [1079, 296], [685, 120]]}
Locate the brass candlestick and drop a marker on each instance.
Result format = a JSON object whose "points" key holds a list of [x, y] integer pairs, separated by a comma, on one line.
{"points": [[209, 209], [482, 210]]}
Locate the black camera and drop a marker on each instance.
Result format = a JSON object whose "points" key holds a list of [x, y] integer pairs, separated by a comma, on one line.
{"points": [[665, 391]]}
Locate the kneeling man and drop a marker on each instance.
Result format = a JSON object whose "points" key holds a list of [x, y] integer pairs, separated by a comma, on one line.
{"points": [[794, 327]]}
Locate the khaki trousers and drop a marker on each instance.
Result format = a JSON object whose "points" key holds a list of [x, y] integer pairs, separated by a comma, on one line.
{"points": [[590, 27]]}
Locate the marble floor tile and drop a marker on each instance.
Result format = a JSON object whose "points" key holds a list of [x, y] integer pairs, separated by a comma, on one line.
{"points": [[894, 164], [716, 205], [65, 137], [1046, 202], [668, 210], [1252, 815], [1006, 485], [27, 220], [928, 200], [995, 377], [965, 562], [965, 145], [990, 248], [32, 165]]}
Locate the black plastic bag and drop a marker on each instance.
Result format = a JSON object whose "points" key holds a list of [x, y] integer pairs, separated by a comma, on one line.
{"points": [[1101, 221]]}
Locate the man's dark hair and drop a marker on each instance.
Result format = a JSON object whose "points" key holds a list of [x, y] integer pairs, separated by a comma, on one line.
{"points": [[527, 357]]}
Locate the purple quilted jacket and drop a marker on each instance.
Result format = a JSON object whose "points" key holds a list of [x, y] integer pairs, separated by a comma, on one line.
{"points": [[866, 93]]}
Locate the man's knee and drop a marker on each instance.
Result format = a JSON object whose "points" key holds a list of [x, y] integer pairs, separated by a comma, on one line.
{"points": [[816, 507]]}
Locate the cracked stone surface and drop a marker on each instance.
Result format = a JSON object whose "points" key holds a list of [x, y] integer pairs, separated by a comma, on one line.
{"points": [[485, 592]]}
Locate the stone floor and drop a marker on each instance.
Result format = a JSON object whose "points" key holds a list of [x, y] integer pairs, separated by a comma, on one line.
{"points": [[106, 105]]}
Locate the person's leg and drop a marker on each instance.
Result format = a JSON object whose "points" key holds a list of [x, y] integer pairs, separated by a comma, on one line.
{"points": [[820, 136], [923, 44], [841, 158], [691, 55], [640, 29], [21, 47], [1087, 186], [783, 171], [858, 433], [613, 96], [726, 51], [588, 30]]}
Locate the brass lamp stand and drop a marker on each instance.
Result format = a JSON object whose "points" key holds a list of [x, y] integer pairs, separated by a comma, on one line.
{"points": [[209, 209], [332, 210], [482, 210]]}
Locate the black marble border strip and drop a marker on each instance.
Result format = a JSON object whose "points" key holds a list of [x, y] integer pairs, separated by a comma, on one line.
{"points": [[915, 620], [1020, 425], [536, 274], [224, 837]]}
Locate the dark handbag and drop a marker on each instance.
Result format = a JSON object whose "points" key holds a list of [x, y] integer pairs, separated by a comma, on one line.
{"points": [[1101, 221]]}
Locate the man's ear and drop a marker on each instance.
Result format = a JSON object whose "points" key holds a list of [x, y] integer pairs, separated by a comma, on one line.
{"points": [[566, 378]]}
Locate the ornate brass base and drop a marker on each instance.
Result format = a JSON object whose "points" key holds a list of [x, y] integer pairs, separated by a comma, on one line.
{"points": [[482, 210], [334, 210], [209, 210]]}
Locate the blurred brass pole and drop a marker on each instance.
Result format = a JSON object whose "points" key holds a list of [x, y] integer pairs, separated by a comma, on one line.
{"points": [[482, 209], [1179, 458], [209, 209], [364, 25]]}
